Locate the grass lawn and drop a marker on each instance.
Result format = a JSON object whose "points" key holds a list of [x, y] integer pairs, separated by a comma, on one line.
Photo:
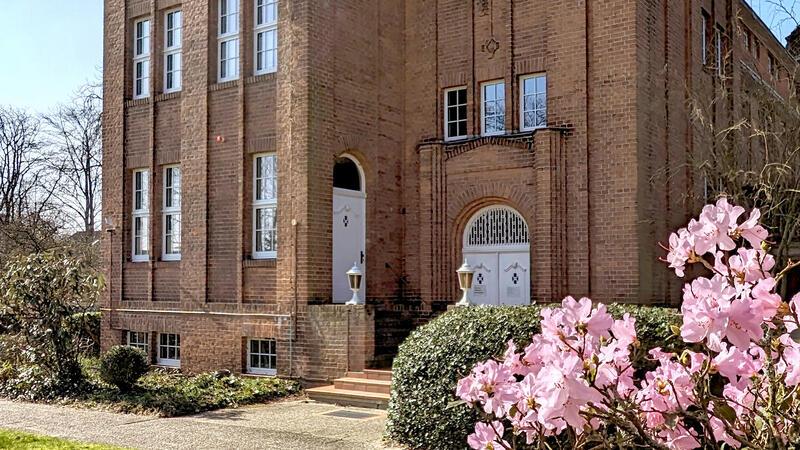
{"points": [[19, 440]]}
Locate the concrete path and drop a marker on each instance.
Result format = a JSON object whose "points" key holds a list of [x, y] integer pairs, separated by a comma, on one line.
{"points": [[291, 424]]}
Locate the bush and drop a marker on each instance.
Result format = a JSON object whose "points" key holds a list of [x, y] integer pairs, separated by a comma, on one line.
{"points": [[86, 326], [434, 357], [42, 293], [122, 366]]}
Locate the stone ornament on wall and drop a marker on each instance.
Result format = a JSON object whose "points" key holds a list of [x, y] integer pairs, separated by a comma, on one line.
{"points": [[490, 45]]}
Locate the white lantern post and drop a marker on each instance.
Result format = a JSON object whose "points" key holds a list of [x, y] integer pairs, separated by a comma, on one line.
{"points": [[465, 277], [354, 276]]}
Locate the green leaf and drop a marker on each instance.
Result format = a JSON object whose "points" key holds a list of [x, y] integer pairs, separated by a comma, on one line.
{"points": [[725, 412], [455, 404], [795, 335]]}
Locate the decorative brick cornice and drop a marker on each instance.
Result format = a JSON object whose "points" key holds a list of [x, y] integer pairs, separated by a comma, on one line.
{"points": [[451, 149], [224, 85], [261, 78], [167, 96], [262, 144]]}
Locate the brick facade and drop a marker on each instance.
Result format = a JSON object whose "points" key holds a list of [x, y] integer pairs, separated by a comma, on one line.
{"points": [[366, 78]]}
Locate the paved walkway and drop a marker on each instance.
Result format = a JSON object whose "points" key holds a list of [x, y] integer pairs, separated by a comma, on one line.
{"points": [[291, 424]]}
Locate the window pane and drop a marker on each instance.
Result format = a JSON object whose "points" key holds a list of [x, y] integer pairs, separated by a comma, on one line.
{"points": [[254, 361]]}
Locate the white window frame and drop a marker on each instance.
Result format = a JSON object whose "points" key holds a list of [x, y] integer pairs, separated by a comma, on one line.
{"points": [[718, 50], [258, 204], [142, 58], [132, 338], [483, 108], [140, 212], [227, 39], [173, 51], [447, 107], [169, 362], [523, 94], [171, 210], [704, 36], [264, 28], [272, 352]]}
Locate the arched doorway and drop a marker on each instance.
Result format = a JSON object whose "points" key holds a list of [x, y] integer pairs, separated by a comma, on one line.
{"points": [[497, 245], [349, 227]]}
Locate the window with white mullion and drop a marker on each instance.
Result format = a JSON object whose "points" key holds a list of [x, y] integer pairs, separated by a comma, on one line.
{"points": [[139, 339], [455, 110], [169, 349], [262, 357], [228, 37], [141, 216], [265, 207], [266, 36], [172, 214], [533, 99], [173, 42], [493, 108], [141, 59]]}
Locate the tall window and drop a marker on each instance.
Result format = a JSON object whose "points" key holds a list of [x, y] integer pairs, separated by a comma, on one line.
{"points": [[172, 214], [533, 102], [173, 38], [266, 35], [169, 349], [455, 113], [705, 32], [265, 202], [228, 40], [772, 66], [262, 356], [718, 50], [141, 215], [138, 339], [141, 59], [493, 108]]}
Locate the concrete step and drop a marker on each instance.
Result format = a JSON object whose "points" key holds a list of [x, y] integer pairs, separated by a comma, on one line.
{"points": [[363, 384], [346, 397]]}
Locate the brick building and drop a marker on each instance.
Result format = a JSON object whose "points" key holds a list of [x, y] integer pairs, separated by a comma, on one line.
{"points": [[255, 149]]}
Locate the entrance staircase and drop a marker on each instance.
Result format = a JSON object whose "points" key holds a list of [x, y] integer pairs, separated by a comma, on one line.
{"points": [[367, 389]]}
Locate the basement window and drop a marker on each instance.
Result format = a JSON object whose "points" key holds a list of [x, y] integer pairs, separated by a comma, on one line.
{"points": [[262, 356], [169, 350], [138, 339]]}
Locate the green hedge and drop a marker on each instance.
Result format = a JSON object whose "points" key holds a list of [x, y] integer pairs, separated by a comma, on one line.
{"points": [[434, 357]]}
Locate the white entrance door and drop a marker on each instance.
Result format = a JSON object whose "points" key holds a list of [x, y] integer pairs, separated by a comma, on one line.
{"points": [[348, 241], [497, 246]]}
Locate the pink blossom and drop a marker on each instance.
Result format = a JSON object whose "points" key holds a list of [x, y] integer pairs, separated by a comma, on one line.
{"points": [[765, 300], [751, 265], [486, 436], [733, 363], [680, 250], [751, 230], [744, 324]]}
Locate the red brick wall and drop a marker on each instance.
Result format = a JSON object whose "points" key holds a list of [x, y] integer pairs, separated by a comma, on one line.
{"points": [[366, 78]]}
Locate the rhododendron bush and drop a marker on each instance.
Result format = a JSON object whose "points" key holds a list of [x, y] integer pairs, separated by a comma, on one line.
{"points": [[737, 387]]}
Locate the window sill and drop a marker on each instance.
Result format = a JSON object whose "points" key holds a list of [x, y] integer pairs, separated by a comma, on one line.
{"points": [[265, 374], [260, 262], [224, 84]]}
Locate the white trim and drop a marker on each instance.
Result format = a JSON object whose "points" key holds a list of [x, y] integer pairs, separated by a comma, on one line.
{"points": [[494, 248], [260, 370], [484, 85], [142, 214], [258, 204], [522, 94], [137, 344], [362, 178], [172, 211], [262, 28], [445, 116], [169, 362], [230, 36], [142, 59], [173, 51]]}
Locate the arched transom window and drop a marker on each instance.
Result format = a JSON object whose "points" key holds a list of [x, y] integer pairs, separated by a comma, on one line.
{"points": [[496, 227]]}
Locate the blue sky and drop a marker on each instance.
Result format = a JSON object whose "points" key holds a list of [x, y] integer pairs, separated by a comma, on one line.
{"points": [[51, 47], [48, 49]]}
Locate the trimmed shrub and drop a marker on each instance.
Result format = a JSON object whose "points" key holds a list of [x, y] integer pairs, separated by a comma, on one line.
{"points": [[434, 357], [122, 366]]}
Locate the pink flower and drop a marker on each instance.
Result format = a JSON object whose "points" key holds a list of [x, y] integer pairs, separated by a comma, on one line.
{"points": [[765, 299], [680, 250], [751, 265], [733, 363], [489, 384], [744, 324], [751, 230], [624, 330], [486, 436]]}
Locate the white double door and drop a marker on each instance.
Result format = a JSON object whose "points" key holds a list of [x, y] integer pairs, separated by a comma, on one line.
{"points": [[349, 226], [501, 278]]}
